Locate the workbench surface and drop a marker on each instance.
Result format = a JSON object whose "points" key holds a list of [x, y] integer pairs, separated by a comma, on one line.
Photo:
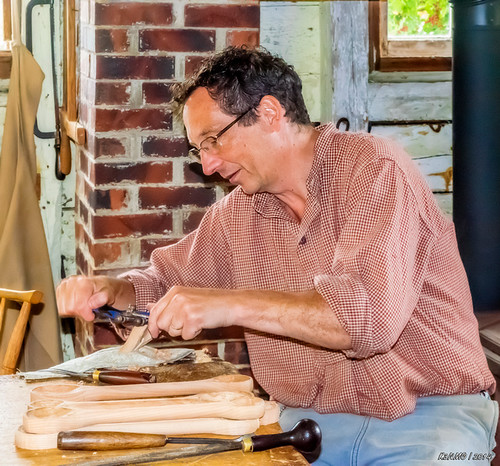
{"points": [[14, 398]]}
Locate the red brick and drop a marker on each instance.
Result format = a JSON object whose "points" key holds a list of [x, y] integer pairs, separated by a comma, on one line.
{"points": [[134, 67], [106, 146], [144, 172], [111, 199], [192, 63], [156, 93], [118, 226], [83, 163], [110, 93], [110, 40], [116, 120], [167, 147], [176, 40], [105, 254], [245, 16], [160, 197], [193, 173], [79, 231], [239, 38], [81, 263], [126, 13], [83, 213], [191, 221], [236, 352], [149, 245]]}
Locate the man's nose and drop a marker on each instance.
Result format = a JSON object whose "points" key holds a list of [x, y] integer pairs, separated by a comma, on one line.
{"points": [[210, 163]]}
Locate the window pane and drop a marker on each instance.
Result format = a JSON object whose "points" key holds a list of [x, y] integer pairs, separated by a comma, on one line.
{"points": [[410, 19]]}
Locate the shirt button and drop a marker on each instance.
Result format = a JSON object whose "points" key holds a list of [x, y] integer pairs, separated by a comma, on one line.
{"points": [[303, 240]]}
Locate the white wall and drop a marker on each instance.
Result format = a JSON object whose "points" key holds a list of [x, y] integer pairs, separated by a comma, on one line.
{"points": [[315, 35]]}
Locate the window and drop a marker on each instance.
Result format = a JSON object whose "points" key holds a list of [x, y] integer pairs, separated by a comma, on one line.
{"points": [[410, 35]]}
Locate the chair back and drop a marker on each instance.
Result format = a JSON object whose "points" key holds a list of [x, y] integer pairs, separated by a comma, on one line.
{"points": [[27, 298]]}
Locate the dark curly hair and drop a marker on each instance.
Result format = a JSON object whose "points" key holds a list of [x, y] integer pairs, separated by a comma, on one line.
{"points": [[237, 78]]}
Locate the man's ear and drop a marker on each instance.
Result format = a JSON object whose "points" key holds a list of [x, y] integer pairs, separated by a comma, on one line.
{"points": [[271, 110]]}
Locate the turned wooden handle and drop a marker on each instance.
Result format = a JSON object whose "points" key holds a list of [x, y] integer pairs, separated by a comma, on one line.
{"points": [[91, 441], [122, 377], [304, 437]]}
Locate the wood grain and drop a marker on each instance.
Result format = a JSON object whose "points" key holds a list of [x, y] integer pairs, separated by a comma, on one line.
{"points": [[217, 426], [71, 392], [54, 416], [139, 336]]}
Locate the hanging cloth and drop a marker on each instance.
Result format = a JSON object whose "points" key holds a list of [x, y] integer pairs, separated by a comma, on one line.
{"points": [[24, 258]]}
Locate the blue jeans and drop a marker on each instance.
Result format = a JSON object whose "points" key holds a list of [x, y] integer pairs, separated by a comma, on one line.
{"points": [[443, 430]]}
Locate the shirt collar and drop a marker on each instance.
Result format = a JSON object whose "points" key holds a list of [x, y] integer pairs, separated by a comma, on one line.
{"points": [[268, 205]]}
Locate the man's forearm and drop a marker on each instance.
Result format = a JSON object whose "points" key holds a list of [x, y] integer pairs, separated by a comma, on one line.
{"points": [[304, 316]]}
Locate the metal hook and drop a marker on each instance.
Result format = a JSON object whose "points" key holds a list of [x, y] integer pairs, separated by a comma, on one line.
{"points": [[345, 121]]}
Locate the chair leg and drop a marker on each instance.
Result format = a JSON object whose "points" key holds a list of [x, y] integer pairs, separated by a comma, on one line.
{"points": [[16, 340]]}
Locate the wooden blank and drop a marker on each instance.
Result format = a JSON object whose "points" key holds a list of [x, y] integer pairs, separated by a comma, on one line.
{"points": [[139, 336], [230, 427], [55, 416], [72, 392]]}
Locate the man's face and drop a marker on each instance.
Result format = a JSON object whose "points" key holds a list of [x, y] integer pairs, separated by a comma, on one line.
{"points": [[239, 154]]}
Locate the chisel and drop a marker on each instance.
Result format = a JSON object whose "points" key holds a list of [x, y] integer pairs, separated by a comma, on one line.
{"points": [[304, 437], [108, 376]]}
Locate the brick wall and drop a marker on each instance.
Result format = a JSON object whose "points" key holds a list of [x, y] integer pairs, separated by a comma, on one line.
{"points": [[136, 189]]}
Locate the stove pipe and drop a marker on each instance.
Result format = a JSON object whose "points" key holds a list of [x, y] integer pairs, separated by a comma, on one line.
{"points": [[476, 145]]}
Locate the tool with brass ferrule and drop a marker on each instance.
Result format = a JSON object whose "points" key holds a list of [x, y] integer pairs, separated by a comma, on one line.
{"points": [[305, 437], [108, 376]]}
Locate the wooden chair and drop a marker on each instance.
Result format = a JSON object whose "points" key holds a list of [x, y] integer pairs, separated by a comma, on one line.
{"points": [[27, 298]]}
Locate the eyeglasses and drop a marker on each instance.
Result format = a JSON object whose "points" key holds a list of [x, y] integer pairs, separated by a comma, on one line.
{"points": [[210, 144]]}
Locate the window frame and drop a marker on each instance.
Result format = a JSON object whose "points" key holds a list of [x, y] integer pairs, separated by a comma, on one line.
{"points": [[403, 55]]}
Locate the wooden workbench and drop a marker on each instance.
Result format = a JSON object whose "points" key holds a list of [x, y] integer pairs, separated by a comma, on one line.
{"points": [[14, 397]]}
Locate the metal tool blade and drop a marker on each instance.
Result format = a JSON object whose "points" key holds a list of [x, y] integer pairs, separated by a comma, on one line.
{"points": [[161, 455]]}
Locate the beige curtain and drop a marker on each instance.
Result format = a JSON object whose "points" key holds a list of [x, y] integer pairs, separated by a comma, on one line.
{"points": [[24, 258]]}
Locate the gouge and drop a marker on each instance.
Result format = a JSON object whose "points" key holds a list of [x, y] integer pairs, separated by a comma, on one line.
{"points": [[305, 437], [108, 376]]}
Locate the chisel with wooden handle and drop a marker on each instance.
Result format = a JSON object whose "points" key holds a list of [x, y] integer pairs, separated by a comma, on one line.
{"points": [[109, 376], [304, 437]]}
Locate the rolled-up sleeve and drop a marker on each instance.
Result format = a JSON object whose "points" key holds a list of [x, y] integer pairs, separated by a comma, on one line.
{"points": [[380, 259]]}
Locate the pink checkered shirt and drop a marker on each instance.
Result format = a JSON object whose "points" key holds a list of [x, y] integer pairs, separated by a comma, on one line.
{"points": [[375, 245]]}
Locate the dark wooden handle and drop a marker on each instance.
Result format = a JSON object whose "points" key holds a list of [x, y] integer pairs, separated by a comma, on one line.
{"points": [[91, 441], [123, 377], [305, 437]]}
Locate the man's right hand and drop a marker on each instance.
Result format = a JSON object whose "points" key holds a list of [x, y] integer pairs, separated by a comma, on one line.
{"points": [[78, 295]]}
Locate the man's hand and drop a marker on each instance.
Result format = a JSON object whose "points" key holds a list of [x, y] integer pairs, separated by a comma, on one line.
{"points": [[304, 316], [187, 311], [78, 295]]}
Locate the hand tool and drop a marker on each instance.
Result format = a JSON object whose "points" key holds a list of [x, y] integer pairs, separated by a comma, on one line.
{"points": [[130, 317], [108, 376], [304, 437]]}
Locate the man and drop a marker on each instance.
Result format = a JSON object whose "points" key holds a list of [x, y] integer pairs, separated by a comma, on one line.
{"points": [[334, 256]]}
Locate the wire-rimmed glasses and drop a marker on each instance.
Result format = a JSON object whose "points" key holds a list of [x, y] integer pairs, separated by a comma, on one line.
{"points": [[209, 144]]}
